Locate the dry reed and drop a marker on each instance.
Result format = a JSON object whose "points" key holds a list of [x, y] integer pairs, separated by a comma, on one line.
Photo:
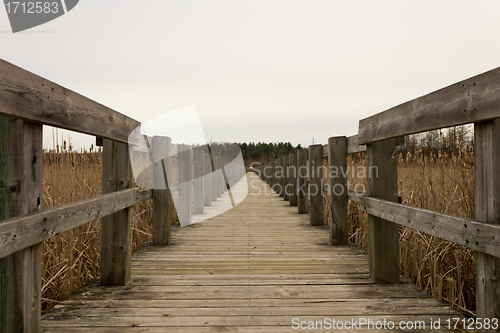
{"points": [[72, 259], [438, 181]]}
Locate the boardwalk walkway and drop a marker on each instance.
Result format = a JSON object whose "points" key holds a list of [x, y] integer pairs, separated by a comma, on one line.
{"points": [[252, 269]]}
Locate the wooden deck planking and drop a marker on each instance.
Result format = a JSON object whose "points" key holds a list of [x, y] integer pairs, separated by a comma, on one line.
{"points": [[251, 269]]}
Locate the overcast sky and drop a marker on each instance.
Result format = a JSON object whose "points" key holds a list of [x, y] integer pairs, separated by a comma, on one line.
{"points": [[260, 70]]}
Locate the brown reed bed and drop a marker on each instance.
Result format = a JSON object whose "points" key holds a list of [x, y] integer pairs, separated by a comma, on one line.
{"points": [[439, 181], [72, 259]]}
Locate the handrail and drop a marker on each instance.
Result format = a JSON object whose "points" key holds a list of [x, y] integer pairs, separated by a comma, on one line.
{"points": [[18, 233], [27, 96], [469, 101], [474, 100]]}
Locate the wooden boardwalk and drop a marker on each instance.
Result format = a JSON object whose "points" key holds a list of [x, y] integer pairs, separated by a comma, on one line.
{"points": [[252, 269]]}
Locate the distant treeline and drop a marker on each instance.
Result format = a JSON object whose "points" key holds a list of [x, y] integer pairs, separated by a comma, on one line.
{"points": [[264, 152]]}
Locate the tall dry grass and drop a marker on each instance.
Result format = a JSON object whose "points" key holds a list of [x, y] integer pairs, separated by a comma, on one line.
{"points": [[438, 181], [72, 259]]}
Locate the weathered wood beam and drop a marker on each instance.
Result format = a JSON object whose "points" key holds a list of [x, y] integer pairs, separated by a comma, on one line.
{"points": [[487, 209], [383, 235], [337, 190], [21, 193], [18, 233], [27, 96], [116, 229], [472, 100], [162, 197]]}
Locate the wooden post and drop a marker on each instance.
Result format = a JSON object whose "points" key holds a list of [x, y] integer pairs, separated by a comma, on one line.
{"points": [[220, 178], [286, 194], [273, 175], [21, 178], [116, 229], [221, 184], [383, 236], [162, 198], [292, 159], [185, 184], [198, 181], [207, 188], [487, 209], [213, 165], [315, 185], [302, 184], [337, 190], [280, 174]]}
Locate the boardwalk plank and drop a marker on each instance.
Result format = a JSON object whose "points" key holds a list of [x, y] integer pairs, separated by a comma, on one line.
{"points": [[240, 272]]}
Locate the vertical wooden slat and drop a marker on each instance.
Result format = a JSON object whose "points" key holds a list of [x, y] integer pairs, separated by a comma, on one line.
{"points": [[116, 229], [292, 160], [215, 177], [337, 169], [302, 184], [220, 176], [207, 187], [162, 198], [185, 184], [279, 174], [286, 190], [198, 181], [487, 209], [273, 175], [20, 186], [383, 236], [315, 185]]}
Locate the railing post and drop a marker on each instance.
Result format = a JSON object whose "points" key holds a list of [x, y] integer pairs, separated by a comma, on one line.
{"points": [[273, 175], [292, 174], [487, 209], [302, 184], [337, 190], [383, 236], [185, 183], [286, 194], [116, 229], [315, 185], [198, 181], [207, 166], [280, 175], [215, 178], [21, 185], [162, 198]]}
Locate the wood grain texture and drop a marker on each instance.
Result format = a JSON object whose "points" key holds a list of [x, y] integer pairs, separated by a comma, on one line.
{"points": [[383, 235], [207, 186], [18, 233], [315, 185], [116, 229], [280, 174], [239, 272], [21, 190], [162, 197], [292, 159], [27, 96], [198, 181], [302, 182], [286, 179], [472, 100], [337, 190], [487, 209], [472, 234], [184, 208], [353, 146], [357, 196]]}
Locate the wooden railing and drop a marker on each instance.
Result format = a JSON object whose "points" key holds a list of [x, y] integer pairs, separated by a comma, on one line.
{"points": [[27, 102], [475, 100]]}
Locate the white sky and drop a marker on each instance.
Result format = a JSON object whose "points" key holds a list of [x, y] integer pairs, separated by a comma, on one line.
{"points": [[260, 70]]}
